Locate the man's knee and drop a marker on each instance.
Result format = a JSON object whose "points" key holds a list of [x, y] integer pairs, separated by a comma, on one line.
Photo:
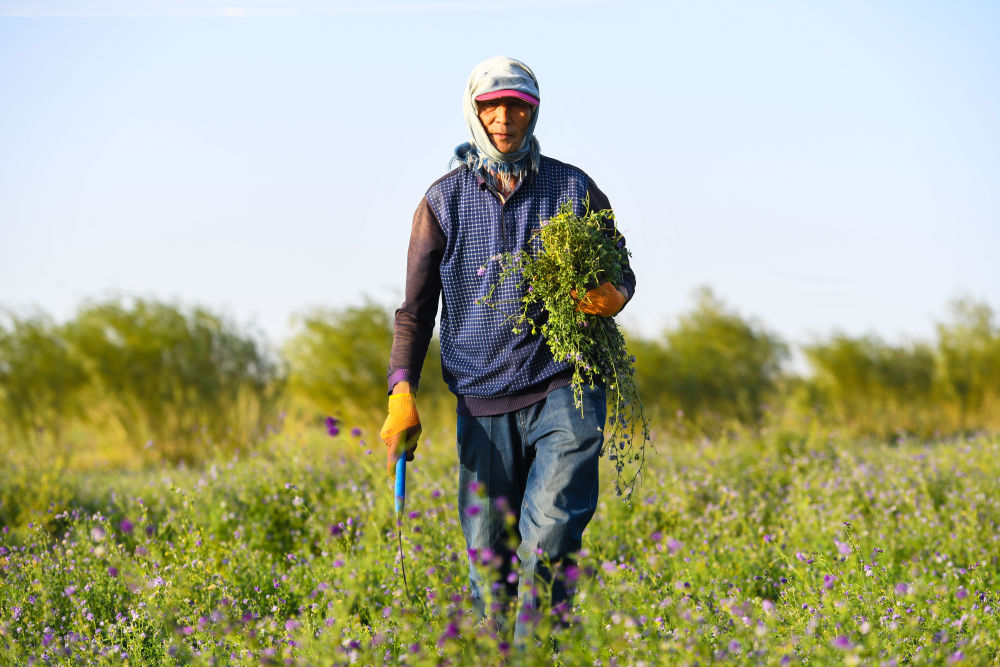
{"points": [[551, 543]]}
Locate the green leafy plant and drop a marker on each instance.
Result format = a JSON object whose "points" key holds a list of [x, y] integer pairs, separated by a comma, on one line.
{"points": [[570, 254]]}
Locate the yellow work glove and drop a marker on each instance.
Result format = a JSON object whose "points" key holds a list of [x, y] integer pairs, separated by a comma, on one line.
{"points": [[401, 430], [605, 300]]}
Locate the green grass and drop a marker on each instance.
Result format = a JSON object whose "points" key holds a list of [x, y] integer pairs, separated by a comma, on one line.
{"points": [[777, 549]]}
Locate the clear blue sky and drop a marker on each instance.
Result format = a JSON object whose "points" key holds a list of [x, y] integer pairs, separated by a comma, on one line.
{"points": [[822, 165]]}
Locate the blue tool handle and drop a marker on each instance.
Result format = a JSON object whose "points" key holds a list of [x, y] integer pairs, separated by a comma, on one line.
{"points": [[400, 484]]}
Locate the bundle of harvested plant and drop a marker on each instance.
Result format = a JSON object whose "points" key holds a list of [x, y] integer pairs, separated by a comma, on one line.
{"points": [[570, 254]]}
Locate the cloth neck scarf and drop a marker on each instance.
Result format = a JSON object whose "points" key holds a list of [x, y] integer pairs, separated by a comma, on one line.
{"points": [[501, 176], [503, 170]]}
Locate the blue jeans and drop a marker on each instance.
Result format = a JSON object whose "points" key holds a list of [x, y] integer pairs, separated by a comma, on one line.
{"points": [[527, 488]]}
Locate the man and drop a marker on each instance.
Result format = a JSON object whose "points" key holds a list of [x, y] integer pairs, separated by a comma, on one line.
{"points": [[524, 448]]}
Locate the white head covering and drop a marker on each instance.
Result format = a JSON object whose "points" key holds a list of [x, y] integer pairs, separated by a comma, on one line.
{"points": [[500, 74]]}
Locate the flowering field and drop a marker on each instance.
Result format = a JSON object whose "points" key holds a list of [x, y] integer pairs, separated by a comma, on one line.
{"points": [[780, 549]]}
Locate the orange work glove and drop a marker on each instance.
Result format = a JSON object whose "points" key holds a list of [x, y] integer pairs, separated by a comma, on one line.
{"points": [[401, 430], [605, 300]]}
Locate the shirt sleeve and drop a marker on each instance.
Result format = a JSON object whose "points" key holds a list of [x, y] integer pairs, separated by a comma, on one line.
{"points": [[599, 202], [414, 320]]}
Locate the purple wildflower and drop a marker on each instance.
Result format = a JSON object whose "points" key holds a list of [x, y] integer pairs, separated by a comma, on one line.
{"points": [[828, 580], [332, 426], [451, 632], [126, 525], [841, 642], [481, 271], [356, 432]]}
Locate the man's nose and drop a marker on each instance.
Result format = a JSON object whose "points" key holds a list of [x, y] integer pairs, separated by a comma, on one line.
{"points": [[502, 113]]}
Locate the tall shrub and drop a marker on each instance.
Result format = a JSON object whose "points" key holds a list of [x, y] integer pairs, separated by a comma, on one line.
{"points": [[187, 379], [871, 386], [969, 363], [337, 361], [715, 366], [41, 378]]}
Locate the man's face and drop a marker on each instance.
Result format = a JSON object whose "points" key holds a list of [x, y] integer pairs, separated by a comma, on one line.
{"points": [[506, 120]]}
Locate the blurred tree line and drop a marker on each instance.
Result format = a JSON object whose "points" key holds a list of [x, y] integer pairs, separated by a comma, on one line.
{"points": [[158, 376], [175, 383]]}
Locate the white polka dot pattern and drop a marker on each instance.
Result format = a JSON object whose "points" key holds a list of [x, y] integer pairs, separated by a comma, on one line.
{"points": [[480, 354]]}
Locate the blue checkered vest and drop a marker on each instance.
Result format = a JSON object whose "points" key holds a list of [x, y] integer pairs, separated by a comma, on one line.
{"points": [[480, 354]]}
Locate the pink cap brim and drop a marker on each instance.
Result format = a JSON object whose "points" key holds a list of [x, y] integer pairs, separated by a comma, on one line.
{"points": [[496, 94]]}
